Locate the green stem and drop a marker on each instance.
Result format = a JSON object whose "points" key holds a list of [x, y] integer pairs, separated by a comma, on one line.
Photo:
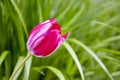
{"points": [[19, 66]]}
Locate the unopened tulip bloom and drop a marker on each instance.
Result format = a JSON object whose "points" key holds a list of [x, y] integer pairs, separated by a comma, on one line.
{"points": [[45, 38]]}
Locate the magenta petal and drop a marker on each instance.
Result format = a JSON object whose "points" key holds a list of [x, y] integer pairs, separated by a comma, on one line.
{"points": [[39, 30], [49, 44], [65, 36], [45, 38]]}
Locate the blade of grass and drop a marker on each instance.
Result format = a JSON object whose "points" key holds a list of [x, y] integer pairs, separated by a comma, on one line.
{"points": [[93, 55], [27, 68], [103, 43], [15, 24], [117, 73], [113, 60], [3, 56], [74, 18], [20, 16], [75, 58], [109, 51], [8, 66], [64, 12], [111, 20], [56, 71], [46, 9], [105, 24], [21, 64], [39, 11], [20, 70]]}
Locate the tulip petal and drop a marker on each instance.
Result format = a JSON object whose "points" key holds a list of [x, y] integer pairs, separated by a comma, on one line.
{"points": [[35, 36], [56, 26], [40, 30], [49, 44], [65, 36]]}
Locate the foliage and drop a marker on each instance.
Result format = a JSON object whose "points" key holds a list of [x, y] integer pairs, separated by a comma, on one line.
{"points": [[92, 51]]}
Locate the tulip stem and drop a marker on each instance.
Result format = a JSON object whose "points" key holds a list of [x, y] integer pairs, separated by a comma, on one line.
{"points": [[19, 66]]}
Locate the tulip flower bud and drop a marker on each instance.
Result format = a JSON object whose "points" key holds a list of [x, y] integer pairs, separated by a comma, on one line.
{"points": [[45, 38]]}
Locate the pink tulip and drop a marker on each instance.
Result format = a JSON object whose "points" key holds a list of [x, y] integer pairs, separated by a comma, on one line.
{"points": [[45, 38]]}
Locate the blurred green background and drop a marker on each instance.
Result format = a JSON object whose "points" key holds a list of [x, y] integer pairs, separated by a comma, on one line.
{"points": [[91, 52]]}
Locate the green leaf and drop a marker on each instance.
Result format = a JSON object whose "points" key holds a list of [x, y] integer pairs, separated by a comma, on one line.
{"points": [[109, 51], [19, 67], [93, 55], [20, 70], [20, 16], [105, 24], [75, 58], [64, 12], [3, 56], [117, 73], [74, 18], [39, 11], [103, 43], [27, 68], [56, 71], [113, 60]]}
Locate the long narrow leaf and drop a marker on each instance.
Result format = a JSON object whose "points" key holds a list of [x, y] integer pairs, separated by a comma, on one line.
{"points": [[75, 58], [20, 16], [56, 71], [93, 55], [64, 12], [19, 72], [107, 41], [3, 56], [39, 11], [27, 68], [107, 25], [74, 18]]}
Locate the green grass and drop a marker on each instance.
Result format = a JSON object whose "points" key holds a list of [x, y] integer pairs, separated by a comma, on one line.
{"points": [[91, 52]]}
